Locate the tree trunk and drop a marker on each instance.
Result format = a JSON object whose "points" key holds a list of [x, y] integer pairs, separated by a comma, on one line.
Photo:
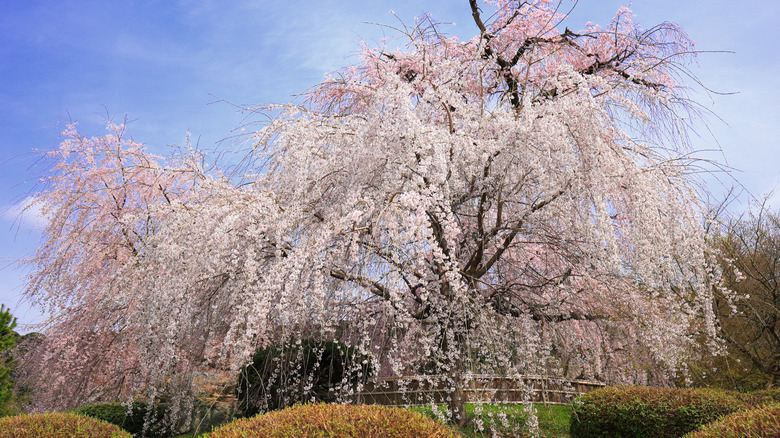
{"points": [[454, 346], [457, 397], [772, 382], [457, 404]]}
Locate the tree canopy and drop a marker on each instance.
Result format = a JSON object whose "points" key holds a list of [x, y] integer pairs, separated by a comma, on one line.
{"points": [[495, 204]]}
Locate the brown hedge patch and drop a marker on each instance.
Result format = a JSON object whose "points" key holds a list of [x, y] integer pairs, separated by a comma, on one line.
{"points": [[58, 425], [343, 421]]}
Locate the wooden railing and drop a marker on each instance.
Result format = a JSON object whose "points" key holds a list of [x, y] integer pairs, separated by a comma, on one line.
{"points": [[482, 388]]}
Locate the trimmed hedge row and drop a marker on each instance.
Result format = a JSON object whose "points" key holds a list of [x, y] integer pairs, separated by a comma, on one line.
{"points": [[58, 425], [760, 422], [627, 411], [637, 412], [342, 421]]}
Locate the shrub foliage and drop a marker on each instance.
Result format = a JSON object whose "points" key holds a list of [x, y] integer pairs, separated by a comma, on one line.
{"points": [[760, 422], [635, 412], [299, 372], [771, 395], [343, 421], [58, 425]]}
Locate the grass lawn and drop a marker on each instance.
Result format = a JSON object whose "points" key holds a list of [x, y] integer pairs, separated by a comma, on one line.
{"points": [[553, 419]]}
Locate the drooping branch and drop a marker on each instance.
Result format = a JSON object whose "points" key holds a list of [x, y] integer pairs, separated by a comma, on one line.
{"points": [[511, 304], [372, 286]]}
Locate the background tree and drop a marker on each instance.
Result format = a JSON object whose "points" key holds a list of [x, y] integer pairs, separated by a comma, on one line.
{"points": [[7, 361], [104, 197], [749, 252], [469, 206]]}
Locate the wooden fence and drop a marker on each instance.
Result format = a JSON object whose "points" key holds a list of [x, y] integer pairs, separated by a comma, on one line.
{"points": [[424, 390]]}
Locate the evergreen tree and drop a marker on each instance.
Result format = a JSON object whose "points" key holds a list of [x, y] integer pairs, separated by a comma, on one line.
{"points": [[7, 363]]}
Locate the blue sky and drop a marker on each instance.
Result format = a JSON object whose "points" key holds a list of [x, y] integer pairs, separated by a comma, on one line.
{"points": [[166, 64]]}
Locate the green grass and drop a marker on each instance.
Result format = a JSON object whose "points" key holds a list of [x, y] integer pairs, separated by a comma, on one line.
{"points": [[553, 419]]}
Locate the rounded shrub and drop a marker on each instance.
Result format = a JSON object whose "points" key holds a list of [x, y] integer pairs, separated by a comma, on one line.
{"points": [[133, 419], [299, 372], [342, 421], [771, 395], [636, 411], [760, 422], [58, 425]]}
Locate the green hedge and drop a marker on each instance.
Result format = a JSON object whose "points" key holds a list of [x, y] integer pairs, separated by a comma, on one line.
{"points": [[58, 425], [342, 421], [763, 421], [637, 412], [131, 420]]}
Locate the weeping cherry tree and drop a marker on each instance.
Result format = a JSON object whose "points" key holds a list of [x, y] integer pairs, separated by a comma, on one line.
{"points": [[463, 206]]}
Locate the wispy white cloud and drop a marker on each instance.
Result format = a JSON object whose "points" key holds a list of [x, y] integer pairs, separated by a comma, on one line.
{"points": [[26, 214]]}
